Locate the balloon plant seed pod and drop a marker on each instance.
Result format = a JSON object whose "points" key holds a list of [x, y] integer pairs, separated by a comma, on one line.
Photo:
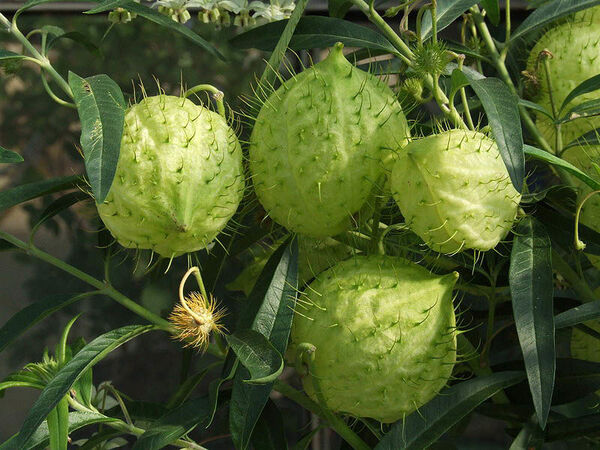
{"points": [[321, 143], [455, 192], [382, 331], [179, 177]]}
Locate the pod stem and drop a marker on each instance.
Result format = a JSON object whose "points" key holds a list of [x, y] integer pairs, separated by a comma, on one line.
{"points": [[196, 272], [217, 95], [579, 244]]}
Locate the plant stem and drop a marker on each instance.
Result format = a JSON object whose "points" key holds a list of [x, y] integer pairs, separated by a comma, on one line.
{"points": [[498, 62], [118, 424], [579, 286], [507, 20], [124, 301], [297, 396], [42, 60]]}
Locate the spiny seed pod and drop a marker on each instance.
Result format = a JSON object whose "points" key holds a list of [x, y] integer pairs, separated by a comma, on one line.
{"points": [[320, 144], [455, 192], [179, 178], [574, 46], [384, 334]]}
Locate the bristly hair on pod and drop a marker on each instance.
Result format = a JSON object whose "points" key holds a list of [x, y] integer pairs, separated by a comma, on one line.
{"points": [[197, 315]]}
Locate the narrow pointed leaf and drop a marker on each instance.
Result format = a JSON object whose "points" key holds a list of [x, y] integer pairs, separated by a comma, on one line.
{"points": [[34, 313], [175, 424], [9, 157], [531, 287], [502, 110], [6, 55], [590, 108], [59, 205], [270, 311], [257, 355], [314, 32], [283, 42], [425, 427], [577, 315], [549, 12], [25, 192], [558, 162], [77, 420], [338, 8], [590, 138], [59, 386], [101, 109], [447, 12], [154, 16], [590, 85], [269, 433]]}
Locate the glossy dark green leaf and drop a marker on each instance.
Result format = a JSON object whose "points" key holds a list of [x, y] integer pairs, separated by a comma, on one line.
{"points": [[59, 205], [314, 32], [77, 37], [25, 192], [269, 433], [549, 12], [9, 157], [270, 309], [563, 430], [423, 428], [34, 313], [590, 85], [154, 16], [257, 355], [338, 8], [31, 3], [186, 388], [6, 55], [502, 110], [447, 12], [531, 437], [227, 373], [577, 315], [492, 8], [175, 424], [59, 386], [586, 109], [532, 291], [305, 441], [283, 42], [536, 107], [590, 138], [558, 162], [77, 420], [101, 109]]}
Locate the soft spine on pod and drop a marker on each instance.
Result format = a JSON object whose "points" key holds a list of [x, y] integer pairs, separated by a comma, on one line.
{"points": [[384, 332], [179, 177], [454, 191], [321, 144]]}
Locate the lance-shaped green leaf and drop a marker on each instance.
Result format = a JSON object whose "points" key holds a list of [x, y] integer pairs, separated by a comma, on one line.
{"points": [[6, 55], [9, 157], [590, 85], [549, 12], [101, 109], [423, 428], [59, 386], [314, 32], [77, 420], [592, 137], [559, 162], [256, 354], [270, 309], [492, 8], [154, 16], [59, 205], [502, 110], [577, 315], [531, 287], [338, 8], [25, 192], [34, 313], [175, 424], [447, 12]]}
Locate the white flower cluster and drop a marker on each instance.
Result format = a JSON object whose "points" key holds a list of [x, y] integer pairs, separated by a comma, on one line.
{"points": [[225, 12]]}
